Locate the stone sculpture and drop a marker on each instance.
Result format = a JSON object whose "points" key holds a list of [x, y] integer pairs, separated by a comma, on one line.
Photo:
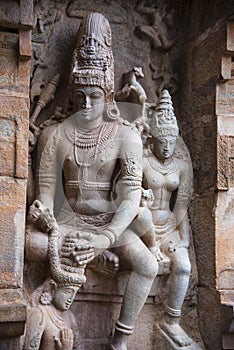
{"points": [[164, 75], [167, 169], [132, 85], [161, 21], [50, 323], [99, 161]]}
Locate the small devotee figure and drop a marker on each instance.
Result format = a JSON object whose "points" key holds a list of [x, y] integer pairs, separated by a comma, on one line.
{"points": [[50, 324]]}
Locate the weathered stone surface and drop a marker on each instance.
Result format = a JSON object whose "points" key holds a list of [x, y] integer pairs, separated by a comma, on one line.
{"points": [[100, 314], [7, 343], [13, 314], [224, 212], [224, 240], [15, 74], [25, 45], [15, 14], [14, 112], [227, 297], [225, 156], [14, 136], [225, 98], [228, 341], [208, 299], [222, 162], [7, 147], [12, 217], [227, 67], [230, 31], [199, 129]]}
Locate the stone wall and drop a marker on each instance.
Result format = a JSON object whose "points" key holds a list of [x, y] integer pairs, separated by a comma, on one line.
{"points": [[15, 53], [206, 60]]}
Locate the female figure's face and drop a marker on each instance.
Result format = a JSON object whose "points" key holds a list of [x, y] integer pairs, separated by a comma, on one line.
{"points": [[164, 147], [63, 297], [89, 101]]}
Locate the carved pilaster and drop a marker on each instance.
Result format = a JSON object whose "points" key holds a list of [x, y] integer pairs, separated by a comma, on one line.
{"points": [[224, 212], [15, 52]]}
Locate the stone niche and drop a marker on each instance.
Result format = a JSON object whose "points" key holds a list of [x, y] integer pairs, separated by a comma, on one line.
{"points": [[190, 53]]}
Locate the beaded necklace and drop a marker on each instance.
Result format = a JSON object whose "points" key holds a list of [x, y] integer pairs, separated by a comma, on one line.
{"points": [[54, 316], [87, 144], [164, 169]]}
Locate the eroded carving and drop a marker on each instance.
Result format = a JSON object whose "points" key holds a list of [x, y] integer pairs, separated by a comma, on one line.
{"points": [[165, 76], [158, 32]]}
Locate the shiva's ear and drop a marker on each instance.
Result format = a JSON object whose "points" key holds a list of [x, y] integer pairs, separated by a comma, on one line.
{"points": [[52, 287], [112, 111], [109, 97]]}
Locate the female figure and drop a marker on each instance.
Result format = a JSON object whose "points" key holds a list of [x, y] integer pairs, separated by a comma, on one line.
{"points": [[99, 162], [168, 172], [50, 323]]}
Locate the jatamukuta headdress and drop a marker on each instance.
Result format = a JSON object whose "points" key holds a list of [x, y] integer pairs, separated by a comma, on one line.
{"points": [[163, 121], [93, 62]]}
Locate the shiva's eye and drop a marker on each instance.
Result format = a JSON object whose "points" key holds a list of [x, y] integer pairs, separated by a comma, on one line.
{"points": [[96, 95]]}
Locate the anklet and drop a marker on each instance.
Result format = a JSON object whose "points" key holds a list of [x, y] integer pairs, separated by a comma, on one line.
{"points": [[173, 312], [123, 328]]}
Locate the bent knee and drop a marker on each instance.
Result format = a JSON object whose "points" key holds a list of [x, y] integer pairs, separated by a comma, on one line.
{"points": [[144, 221], [150, 267], [182, 267], [144, 214]]}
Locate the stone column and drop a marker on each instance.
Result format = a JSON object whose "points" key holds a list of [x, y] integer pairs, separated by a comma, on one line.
{"points": [[15, 52], [211, 208], [224, 213]]}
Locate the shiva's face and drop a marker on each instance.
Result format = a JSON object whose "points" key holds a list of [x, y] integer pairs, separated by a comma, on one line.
{"points": [[63, 297], [164, 146], [89, 101]]}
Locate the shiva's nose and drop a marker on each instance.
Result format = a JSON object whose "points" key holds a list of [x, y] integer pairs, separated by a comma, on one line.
{"points": [[87, 102]]}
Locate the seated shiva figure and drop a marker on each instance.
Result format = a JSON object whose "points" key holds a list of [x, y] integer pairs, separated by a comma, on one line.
{"points": [[99, 161], [50, 324], [168, 173]]}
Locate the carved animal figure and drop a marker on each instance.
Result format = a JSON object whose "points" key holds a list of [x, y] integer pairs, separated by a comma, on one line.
{"points": [[132, 85]]}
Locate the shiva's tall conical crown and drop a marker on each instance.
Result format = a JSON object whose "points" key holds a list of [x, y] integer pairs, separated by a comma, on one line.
{"points": [[93, 62]]}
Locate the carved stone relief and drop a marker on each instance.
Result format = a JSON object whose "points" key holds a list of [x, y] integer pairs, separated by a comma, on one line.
{"points": [[53, 23], [82, 144]]}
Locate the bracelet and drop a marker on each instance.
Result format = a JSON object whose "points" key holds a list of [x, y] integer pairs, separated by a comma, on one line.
{"points": [[109, 233]]}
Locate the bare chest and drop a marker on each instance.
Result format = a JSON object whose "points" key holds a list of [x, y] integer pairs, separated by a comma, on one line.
{"points": [[96, 163], [158, 177]]}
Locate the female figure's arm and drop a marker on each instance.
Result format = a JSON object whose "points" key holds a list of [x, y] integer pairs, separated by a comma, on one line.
{"points": [[183, 199]]}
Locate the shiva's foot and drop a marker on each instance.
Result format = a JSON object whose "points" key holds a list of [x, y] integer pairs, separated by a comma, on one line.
{"points": [[176, 333]]}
